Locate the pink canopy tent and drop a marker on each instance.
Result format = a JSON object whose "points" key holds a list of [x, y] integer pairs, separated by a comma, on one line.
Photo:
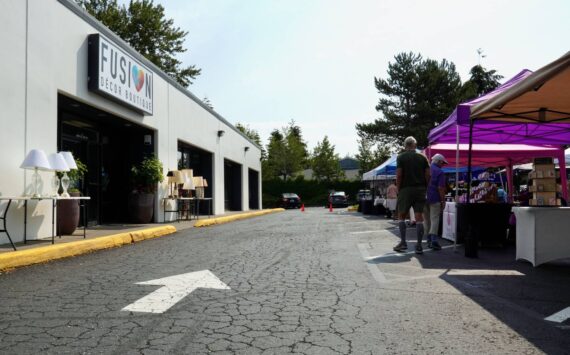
{"points": [[495, 155], [530, 108]]}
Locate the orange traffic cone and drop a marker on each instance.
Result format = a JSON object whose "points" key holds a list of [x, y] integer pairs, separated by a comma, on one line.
{"points": [[330, 207], [302, 207]]}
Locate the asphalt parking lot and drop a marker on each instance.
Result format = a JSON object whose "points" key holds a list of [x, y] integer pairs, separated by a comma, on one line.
{"points": [[313, 282]]}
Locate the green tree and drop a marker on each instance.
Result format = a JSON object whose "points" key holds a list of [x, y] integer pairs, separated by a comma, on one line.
{"points": [[481, 82], [297, 146], [325, 162], [253, 135], [144, 27], [370, 155], [416, 96], [276, 165], [287, 153]]}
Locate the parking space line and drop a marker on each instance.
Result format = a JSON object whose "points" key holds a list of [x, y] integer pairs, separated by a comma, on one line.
{"points": [[393, 254], [374, 270], [559, 317]]}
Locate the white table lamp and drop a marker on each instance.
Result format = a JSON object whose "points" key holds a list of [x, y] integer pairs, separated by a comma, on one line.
{"points": [[178, 179], [199, 184], [58, 164], [69, 160], [65, 180], [188, 179], [36, 160]]}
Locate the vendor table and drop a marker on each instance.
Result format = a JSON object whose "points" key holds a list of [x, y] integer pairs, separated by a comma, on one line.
{"points": [[488, 222], [542, 233], [82, 202]]}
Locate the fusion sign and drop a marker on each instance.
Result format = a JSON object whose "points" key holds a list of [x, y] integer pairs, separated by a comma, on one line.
{"points": [[116, 75]]}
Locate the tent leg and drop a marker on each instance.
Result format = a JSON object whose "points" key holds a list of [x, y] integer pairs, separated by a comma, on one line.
{"points": [[469, 157], [563, 175], [510, 182], [456, 183]]}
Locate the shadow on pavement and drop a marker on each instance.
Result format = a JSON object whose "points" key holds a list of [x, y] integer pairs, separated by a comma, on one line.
{"points": [[518, 294]]}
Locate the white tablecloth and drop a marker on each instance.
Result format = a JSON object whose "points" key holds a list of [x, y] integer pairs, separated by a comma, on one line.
{"points": [[449, 228], [543, 233]]}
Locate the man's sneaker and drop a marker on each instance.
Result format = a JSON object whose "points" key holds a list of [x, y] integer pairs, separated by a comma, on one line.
{"points": [[429, 239], [435, 245], [419, 249], [402, 246]]}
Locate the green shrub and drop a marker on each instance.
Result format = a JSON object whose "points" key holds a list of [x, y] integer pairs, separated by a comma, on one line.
{"points": [[147, 174]]}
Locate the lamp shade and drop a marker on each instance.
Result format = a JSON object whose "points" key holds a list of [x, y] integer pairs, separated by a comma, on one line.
{"points": [[57, 162], [198, 181], [36, 158], [170, 176], [178, 177], [204, 183], [188, 179], [69, 160]]}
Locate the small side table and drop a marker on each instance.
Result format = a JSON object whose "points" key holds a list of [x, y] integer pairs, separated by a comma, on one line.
{"points": [[165, 211], [4, 216], [82, 203], [205, 199], [191, 210]]}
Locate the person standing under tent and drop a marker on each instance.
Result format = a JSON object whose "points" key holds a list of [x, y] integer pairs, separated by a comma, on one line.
{"points": [[435, 200], [412, 177], [391, 199]]}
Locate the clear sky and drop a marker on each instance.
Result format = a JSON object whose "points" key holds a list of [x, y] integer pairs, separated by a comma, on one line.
{"points": [[267, 62]]}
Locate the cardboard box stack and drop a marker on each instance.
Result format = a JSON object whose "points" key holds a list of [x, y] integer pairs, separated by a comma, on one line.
{"points": [[544, 186]]}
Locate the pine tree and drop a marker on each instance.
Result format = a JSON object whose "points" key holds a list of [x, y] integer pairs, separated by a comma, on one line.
{"points": [[144, 27]]}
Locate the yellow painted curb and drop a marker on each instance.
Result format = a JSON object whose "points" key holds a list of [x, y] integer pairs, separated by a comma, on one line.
{"points": [[151, 233], [235, 217], [11, 260]]}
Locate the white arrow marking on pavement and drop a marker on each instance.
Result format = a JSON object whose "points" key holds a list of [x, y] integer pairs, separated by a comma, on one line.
{"points": [[559, 317], [174, 289]]}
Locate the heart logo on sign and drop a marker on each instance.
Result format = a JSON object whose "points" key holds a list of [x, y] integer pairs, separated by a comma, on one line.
{"points": [[138, 78]]}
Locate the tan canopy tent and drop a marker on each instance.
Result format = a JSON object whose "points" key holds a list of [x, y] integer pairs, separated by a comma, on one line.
{"points": [[544, 96]]}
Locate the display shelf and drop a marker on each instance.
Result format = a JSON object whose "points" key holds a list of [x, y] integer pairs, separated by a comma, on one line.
{"points": [[544, 185]]}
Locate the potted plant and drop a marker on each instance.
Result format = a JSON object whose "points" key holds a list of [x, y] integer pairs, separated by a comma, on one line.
{"points": [[145, 178], [68, 210]]}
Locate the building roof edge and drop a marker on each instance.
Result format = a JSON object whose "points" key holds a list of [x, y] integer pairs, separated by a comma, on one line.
{"points": [[79, 11]]}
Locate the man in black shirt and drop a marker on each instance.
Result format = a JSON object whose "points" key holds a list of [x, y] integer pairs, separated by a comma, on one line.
{"points": [[412, 177]]}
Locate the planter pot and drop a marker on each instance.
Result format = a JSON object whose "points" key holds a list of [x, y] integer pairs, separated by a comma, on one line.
{"points": [[141, 207], [67, 215]]}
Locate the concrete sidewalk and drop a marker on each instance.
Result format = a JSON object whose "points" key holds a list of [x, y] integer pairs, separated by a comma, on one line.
{"points": [[104, 237]]}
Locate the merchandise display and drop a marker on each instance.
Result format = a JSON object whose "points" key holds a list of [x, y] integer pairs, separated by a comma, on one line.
{"points": [[484, 192], [544, 186]]}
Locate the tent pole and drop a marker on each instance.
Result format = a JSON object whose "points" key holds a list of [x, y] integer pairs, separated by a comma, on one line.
{"points": [[510, 181], [469, 156], [457, 164], [456, 182], [562, 168]]}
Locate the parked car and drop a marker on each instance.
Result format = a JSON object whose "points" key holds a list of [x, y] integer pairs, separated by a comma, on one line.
{"points": [[337, 199], [363, 195], [289, 200]]}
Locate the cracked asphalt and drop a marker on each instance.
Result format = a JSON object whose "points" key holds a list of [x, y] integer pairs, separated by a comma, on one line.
{"points": [[306, 283]]}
